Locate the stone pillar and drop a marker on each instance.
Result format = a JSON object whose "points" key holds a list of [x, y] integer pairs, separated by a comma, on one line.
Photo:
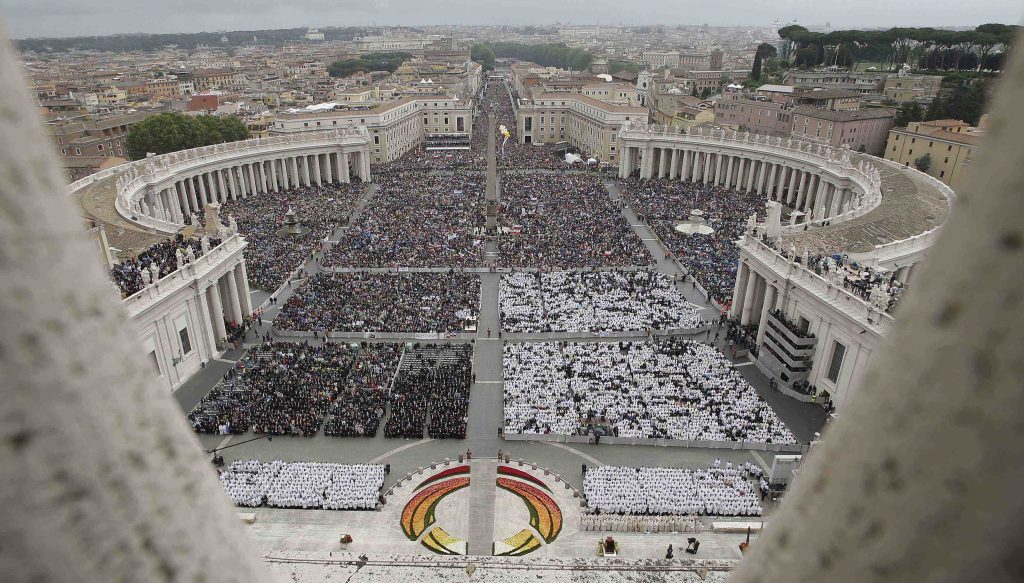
{"points": [[234, 299], [346, 168], [770, 294], [264, 183], [739, 290], [674, 168], [686, 166], [791, 193], [819, 200], [748, 297], [718, 169], [305, 171], [222, 190], [217, 311], [242, 282], [705, 172]]}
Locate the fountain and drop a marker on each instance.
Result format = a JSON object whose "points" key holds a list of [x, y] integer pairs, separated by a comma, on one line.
{"points": [[292, 226], [695, 224]]}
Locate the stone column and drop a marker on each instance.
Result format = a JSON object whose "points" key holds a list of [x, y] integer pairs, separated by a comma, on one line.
{"points": [[771, 180], [217, 310], [242, 282], [748, 297], [673, 170], [685, 175], [770, 294], [234, 300], [718, 169], [662, 162], [730, 162], [739, 290], [705, 172], [819, 199], [346, 168], [221, 188], [264, 184], [791, 193]]}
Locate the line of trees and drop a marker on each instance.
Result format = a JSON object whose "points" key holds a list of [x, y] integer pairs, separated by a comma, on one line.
{"points": [[370, 62], [547, 55], [926, 48], [171, 132]]}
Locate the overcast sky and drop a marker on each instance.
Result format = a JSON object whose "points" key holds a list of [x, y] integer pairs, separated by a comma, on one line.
{"points": [[35, 18]]}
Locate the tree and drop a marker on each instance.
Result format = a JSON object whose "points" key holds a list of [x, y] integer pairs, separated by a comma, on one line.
{"points": [[923, 163], [483, 54], [764, 51], [705, 93], [806, 57], [909, 111], [171, 132]]}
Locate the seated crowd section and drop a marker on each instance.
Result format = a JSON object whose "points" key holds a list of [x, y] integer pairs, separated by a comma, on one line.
{"points": [[434, 380], [564, 221], [271, 257], [280, 388], [360, 404], [127, 274], [574, 301], [417, 220], [382, 302], [711, 259], [303, 484], [715, 491], [668, 388]]}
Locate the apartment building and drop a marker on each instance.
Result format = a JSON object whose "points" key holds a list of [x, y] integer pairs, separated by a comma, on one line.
{"points": [[948, 142]]}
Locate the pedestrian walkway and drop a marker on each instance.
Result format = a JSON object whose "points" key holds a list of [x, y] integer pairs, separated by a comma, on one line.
{"points": [[482, 479]]}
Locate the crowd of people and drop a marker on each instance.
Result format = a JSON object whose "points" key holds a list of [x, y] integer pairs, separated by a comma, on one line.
{"points": [[128, 275], [860, 280], [435, 379], [711, 259], [564, 221], [575, 301], [303, 484], [512, 154], [272, 257], [417, 220], [668, 388], [278, 388], [360, 404], [715, 491], [382, 302]]}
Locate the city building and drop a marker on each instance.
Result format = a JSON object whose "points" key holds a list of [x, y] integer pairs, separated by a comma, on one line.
{"points": [[948, 143], [587, 123], [861, 130]]}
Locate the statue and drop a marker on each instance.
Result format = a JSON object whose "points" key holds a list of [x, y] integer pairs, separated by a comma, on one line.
{"points": [[204, 243], [190, 254], [155, 271], [792, 251], [144, 208], [232, 225], [179, 257], [146, 278], [806, 257], [193, 219]]}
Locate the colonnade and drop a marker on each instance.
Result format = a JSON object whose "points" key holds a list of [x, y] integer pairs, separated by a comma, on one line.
{"points": [[226, 298], [191, 191], [808, 191], [753, 297]]}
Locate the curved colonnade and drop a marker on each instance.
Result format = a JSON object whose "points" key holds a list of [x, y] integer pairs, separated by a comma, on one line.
{"points": [[182, 316], [160, 192], [810, 327], [821, 182]]}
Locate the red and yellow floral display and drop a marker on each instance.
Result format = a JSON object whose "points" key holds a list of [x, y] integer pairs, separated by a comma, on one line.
{"points": [[545, 516], [418, 513], [510, 471], [442, 543], [517, 545]]}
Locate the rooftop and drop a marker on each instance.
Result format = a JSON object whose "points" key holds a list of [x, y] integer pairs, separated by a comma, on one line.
{"points": [[831, 115]]}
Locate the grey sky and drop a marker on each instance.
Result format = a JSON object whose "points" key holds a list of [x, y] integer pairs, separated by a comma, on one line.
{"points": [[33, 18]]}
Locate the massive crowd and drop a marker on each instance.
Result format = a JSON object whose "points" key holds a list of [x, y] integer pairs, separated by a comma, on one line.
{"points": [[360, 404], [434, 378], [270, 257], [417, 220], [128, 274], [713, 491], [498, 99], [669, 388], [303, 484], [573, 301], [564, 221], [280, 388], [382, 302], [711, 259]]}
